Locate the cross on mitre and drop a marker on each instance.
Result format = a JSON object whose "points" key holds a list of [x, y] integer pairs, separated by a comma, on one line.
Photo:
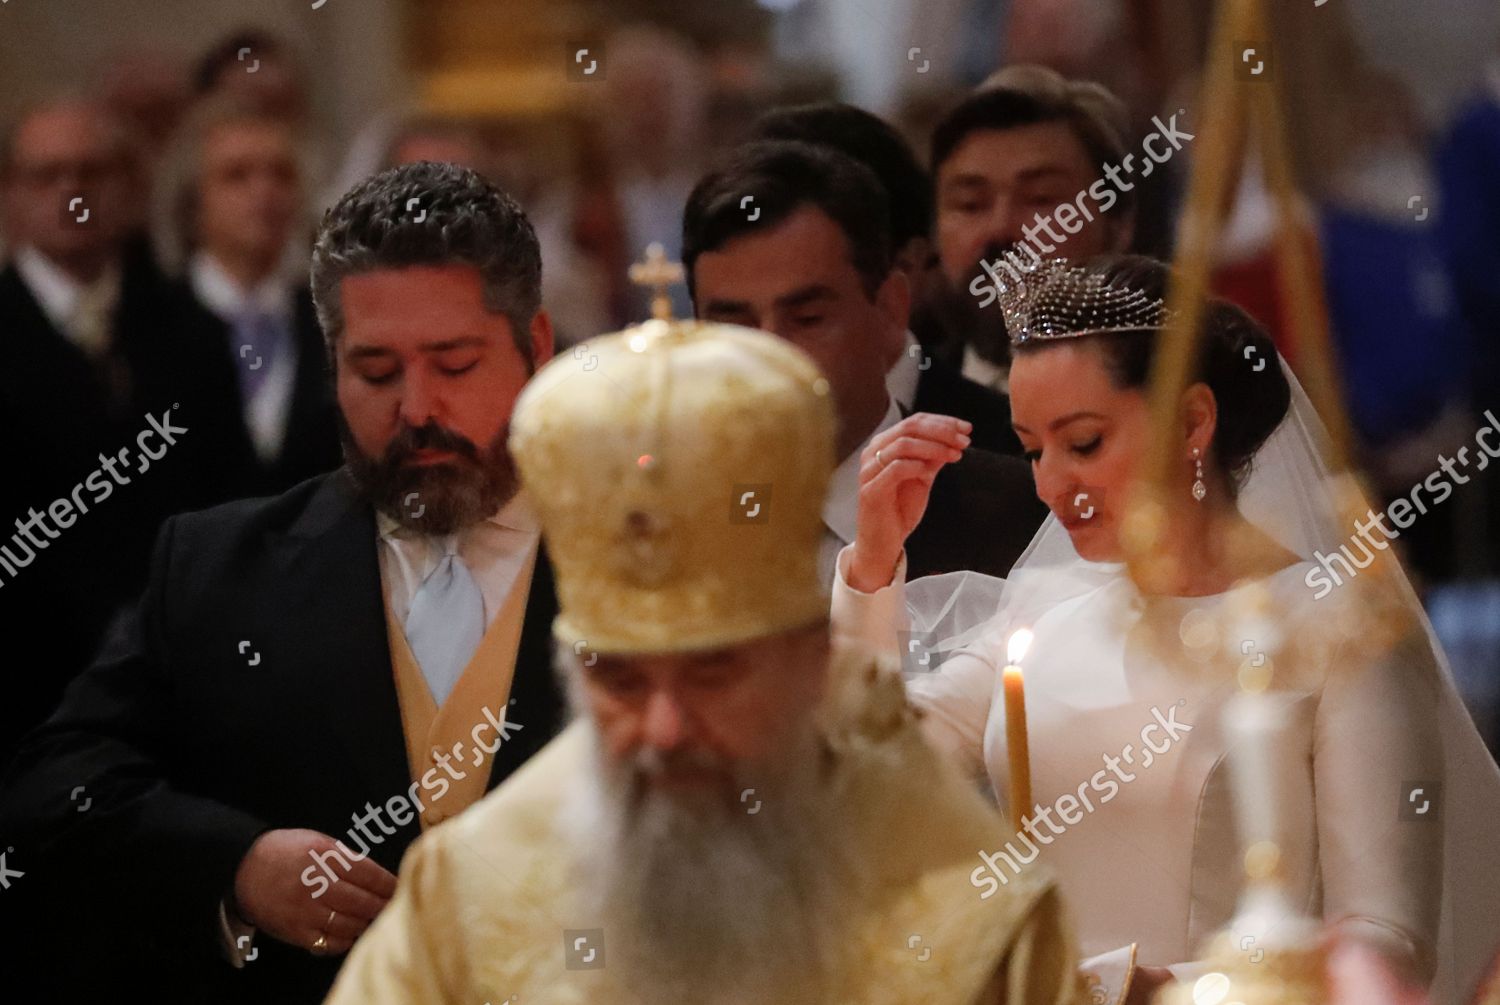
{"points": [[657, 273]]}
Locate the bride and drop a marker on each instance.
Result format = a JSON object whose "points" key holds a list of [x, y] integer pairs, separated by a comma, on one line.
{"points": [[1387, 798]]}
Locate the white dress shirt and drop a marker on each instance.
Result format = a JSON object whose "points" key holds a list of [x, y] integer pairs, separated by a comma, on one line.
{"points": [[268, 412], [903, 378], [495, 550], [982, 371], [841, 505], [65, 301]]}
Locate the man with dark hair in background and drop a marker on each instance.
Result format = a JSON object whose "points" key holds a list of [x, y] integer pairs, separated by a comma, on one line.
{"points": [[1025, 143], [917, 381], [794, 239], [304, 668]]}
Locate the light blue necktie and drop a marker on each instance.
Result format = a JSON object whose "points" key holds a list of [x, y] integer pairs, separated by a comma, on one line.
{"points": [[446, 622]]}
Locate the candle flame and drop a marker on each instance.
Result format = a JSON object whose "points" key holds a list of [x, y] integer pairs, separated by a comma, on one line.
{"points": [[1020, 641]]}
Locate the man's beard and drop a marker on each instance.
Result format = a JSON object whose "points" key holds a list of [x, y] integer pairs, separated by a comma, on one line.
{"points": [[436, 498], [702, 900]]}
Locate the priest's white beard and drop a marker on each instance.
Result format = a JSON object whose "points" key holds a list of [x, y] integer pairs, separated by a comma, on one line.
{"points": [[703, 901]]}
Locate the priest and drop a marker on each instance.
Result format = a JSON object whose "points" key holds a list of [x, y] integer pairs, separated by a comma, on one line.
{"points": [[741, 811]]}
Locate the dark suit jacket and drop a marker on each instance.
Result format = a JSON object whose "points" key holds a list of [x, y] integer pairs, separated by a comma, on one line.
{"points": [[311, 446], [981, 514], [188, 752], [61, 411], [945, 391]]}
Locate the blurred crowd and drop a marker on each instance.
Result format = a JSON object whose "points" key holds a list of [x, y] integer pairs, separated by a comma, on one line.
{"points": [[156, 228]]}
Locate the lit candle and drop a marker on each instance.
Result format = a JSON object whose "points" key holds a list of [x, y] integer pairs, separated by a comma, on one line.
{"points": [[1015, 726]]}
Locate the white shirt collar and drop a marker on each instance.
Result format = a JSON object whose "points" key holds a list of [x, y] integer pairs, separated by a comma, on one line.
{"points": [[222, 294], [57, 292], [982, 371], [841, 505], [514, 515], [902, 379]]}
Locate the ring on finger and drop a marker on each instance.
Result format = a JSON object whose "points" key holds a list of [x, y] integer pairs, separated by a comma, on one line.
{"points": [[879, 460], [320, 944]]}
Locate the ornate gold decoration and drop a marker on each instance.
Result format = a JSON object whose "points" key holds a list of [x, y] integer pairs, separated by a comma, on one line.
{"points": [[679, 470]]}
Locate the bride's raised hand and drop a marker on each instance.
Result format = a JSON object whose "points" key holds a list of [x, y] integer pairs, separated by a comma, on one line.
{"points": [[896, 471]]}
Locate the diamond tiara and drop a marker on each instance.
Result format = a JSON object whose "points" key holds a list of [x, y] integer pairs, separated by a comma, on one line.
{"points": [[1047, 298]]}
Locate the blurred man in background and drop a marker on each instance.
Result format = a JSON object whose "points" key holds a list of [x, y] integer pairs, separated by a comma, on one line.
{"points": [[654, 121], [1004, 160], [94, 360], [441, 141], [231, 203], [147, 88]]}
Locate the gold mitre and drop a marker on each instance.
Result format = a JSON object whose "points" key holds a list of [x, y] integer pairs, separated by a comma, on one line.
{"points": [[678, 470]]}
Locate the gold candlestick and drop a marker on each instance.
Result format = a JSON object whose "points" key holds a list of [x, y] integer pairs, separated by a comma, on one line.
{"points": [[1270, 952]]}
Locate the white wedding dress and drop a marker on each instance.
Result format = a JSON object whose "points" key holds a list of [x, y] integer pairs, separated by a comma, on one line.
{"points": [[1388, 802]]}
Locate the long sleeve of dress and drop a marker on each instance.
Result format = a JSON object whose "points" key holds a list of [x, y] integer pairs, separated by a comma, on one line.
{"points": [[1377, 770], [1377, 766], [873, 621], [955, 704], [954, 697]]}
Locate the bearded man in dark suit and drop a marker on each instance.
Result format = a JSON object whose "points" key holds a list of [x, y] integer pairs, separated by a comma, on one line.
{"points": [[310, 680]]}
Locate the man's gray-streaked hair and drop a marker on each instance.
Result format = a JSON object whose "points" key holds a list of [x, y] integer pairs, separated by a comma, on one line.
{"points": [[430, 214]]}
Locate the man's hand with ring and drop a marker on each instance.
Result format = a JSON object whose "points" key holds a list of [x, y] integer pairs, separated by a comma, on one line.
{"points": [[270, 894]]}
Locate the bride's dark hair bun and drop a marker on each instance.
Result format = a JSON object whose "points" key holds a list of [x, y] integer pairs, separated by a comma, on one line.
{"points": [[1251, 402]]}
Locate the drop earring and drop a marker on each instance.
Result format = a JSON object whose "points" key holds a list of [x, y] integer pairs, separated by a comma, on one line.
{"points": [[1199, 489]]}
